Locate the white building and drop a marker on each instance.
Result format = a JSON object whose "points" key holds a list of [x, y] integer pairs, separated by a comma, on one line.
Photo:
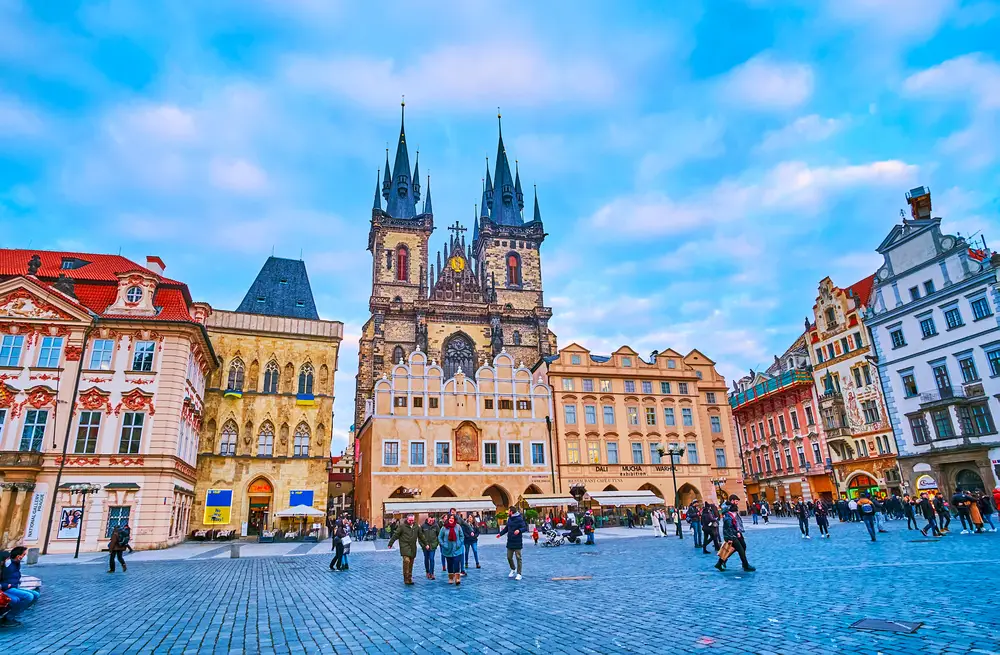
{"points": [[936, 333]]}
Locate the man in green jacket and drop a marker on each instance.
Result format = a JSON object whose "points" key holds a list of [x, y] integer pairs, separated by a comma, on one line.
{"points": [[406, 534], [429, 544]]}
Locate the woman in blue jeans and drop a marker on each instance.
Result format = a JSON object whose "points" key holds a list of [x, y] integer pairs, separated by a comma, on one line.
{"points": [[452, 542], [471, 530], [10, 578]]}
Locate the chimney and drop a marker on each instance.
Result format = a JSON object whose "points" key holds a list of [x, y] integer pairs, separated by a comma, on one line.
{"points": [[920, 202], [155, 264]]}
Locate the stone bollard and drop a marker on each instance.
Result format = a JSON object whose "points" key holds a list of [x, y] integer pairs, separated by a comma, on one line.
{"points": [[32, 556], [234, 550]]}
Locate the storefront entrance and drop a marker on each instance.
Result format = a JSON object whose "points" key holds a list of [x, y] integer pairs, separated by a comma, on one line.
{"points": [[860, 484], [969, 480], [260, 494]]}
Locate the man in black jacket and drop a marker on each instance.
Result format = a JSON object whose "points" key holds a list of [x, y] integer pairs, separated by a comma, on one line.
{"points": [[802, 514], [732, 532], [928, 512], [909, 512], [961, 502], [944, 515], [514, 529], [710, 527]]}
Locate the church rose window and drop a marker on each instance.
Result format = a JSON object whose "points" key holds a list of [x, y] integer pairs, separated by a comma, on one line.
{"points": [[459, 352]]}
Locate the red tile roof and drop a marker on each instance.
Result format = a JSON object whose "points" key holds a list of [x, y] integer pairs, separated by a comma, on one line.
{"points": [[96, 282], [863, 289]]}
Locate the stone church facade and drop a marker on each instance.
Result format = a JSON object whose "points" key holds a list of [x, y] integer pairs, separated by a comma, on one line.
{"points": [[469, 303]]}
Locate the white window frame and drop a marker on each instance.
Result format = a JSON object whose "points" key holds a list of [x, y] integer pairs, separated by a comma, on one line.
{"points": [[135, 353], [94, 351], [142, 433], [42, 348], [451, 455], [607, 452], [15, 341], [569, 458], [398, 454], [497, 444], [531, 452], [520, 446], [409, 453]]}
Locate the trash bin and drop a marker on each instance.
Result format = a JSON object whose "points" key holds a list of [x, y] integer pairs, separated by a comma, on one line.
{"points": [[32, 556], [234, 550]]}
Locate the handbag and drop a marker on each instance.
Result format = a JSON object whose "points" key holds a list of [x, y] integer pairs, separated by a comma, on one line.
{"points": [[346, 540], [726, 550]]}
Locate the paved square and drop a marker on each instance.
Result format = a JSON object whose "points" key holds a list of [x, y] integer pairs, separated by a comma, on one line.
{"points": [[644, 595]]}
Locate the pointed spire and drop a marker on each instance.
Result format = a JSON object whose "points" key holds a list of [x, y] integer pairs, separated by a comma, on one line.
{"points": [[377, 206], [475, 223], [402, 202], [416, 178], [484, 210], [439, 262], [503, 210], [387, 180], [427, 200], [517, 187], [489, 180], [538, 215]]}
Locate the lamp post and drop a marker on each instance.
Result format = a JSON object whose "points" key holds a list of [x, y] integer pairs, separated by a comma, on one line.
{"points": [[82, 488], [718, 483], [675, 452]]}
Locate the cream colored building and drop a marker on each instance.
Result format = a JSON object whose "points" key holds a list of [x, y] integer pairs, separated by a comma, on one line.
{"points": [[269, 407], [431, 437], [614, 414]]}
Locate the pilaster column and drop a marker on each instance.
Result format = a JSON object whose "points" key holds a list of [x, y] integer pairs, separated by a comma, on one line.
{"points": [[7, 495]]}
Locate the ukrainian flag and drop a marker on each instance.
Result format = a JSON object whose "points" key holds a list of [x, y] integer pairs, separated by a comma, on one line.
{"points": [[305, 400], [233, 393]]}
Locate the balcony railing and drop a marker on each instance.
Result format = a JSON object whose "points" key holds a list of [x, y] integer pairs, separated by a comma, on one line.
{"points": [[942, 394], [831, 396], [839, 432], [786, 379]]}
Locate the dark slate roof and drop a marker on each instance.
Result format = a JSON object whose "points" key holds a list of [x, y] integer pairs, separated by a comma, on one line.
{"points": [[281, 289]]}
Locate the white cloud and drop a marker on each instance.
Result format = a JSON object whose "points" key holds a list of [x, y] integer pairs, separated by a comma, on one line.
{"points": [[157, 122], [893, 19], [807, 129], [766, 84], [466, 76], [18, 119], [237, 175]]}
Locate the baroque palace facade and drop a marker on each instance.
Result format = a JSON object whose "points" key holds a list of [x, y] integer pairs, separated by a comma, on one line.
{"points": [[265, 446], [103, 365]]}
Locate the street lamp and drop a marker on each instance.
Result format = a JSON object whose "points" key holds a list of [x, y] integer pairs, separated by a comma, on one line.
{"points": [[82, 488], [675, 452]]}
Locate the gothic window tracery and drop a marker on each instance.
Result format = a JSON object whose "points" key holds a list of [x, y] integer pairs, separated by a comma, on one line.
{"points": [[227, 444], [300, 442], [306, 379], [236, 369], [271, 376], [265, 440], [459, 352]]}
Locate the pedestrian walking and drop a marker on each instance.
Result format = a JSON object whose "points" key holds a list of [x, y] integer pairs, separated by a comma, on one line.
{"points": [[710, 527], [732, 532], [802, 514], [452, 541], [822, 519], [429, 543], [471, 530], [755, 512], [589, 526], [119, 540], [986, 508], [866, 509], [662, 518], [975, 516], [337, 563], [629, 519], [694, 520], [10, 580], [927, 510], [961, 502], [909, 512], [765, 512], [407, 534], [514, 529]]}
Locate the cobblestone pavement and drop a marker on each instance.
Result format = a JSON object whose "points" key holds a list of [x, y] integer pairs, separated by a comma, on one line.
{"points": [[643, 595]]}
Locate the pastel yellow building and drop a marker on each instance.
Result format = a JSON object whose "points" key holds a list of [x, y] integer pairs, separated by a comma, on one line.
{"points": [[615, 415], [265, 444], [461, 437]]}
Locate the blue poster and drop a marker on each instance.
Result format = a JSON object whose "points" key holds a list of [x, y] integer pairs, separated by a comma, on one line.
{"points": [[300, 498], [219, 498]]}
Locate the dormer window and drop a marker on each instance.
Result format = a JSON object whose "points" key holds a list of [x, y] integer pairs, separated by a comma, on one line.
{"points": [[133, 295], [282, 281], [261, 299], [300, 303]]}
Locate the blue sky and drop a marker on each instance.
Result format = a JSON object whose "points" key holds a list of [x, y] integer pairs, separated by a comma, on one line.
{"points": [[699, 170]]}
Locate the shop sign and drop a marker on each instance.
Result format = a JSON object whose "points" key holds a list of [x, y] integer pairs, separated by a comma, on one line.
{"points": [[35, 516], [261, 487], [926, 482]]}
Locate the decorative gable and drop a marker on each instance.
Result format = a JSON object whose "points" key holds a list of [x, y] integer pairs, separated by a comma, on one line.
{"points": [[21, 303], [135, 295]]}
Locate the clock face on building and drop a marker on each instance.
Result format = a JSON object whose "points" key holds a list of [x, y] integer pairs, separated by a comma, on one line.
{"points": [[457, 263]]}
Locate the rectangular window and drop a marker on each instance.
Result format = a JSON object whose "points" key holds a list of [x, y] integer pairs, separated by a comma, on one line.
{"points": [[417, 457], [862, 447], [590, 414], [981, 308], [753, 431], [866, 372], [3, 417], [131, 433], [118, 516], [50, 353], [692, 452], [612, 452], [720, 458], [770, 426], [665, 387], [629, 386], [683, 388], [506, 403], [650, 416], [914, 293], [781, 424], [487, 403], [795, 419], [593, 452], [514, 453], [637, 453], [788, 458], [717, 424], [588, 385], [802, 456], [953, 317], [442, 454], [671, 363], [843, 345], [606, 386], [878, 444], [490, 454], [994, 358], [647, 386], [909, 385], [142, 358], [627, 361], [633, 415], [830, 351], [710, 397], [433, 403], [523, 406], [983, 419], [819, 355], [668, 416], [687, 416], [418, 402], [10, 350], [969, 372], [897, 338], [33, 431], [101, 354], [537, 454], [654, 453], [942, 380], [857, 340], [927, 327], [570, 413], [942, 423], [870, 409], [86, 433], [817, 456], [767, 463], [567, 384], [575, 360], [918, 426], [399, 401], [609, 414], [857, 376], [929, 287], [809, 416]]}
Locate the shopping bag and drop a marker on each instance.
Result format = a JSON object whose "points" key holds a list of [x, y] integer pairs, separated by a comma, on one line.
{"points": [[726, 550]]}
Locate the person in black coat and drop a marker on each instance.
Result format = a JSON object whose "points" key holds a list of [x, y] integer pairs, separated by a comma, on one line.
{"points": [[471, 531], [514, 529], [908, 510], [710, 527], [927, 509], [944, 515]]}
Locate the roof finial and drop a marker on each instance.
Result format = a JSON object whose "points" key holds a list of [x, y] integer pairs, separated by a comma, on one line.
{"points": [[499, 125]]}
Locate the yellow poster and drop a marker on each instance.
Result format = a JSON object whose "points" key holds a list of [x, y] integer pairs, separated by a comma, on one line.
{"points": [[217, 515]]}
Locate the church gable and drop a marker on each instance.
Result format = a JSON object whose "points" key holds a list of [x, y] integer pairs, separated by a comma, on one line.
{"points": [[22, 299]]}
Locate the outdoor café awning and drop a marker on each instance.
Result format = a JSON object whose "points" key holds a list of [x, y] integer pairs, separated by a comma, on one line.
{"points": [[437, 505], [548, 500], [624, 498], [299, 510]]}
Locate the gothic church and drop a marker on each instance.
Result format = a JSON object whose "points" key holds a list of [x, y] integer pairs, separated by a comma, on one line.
{"points": [[469, 303]]}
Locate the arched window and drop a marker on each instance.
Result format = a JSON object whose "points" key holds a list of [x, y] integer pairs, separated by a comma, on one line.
{"points": [[306, 379], [398, 355], [459, 353], [517, 338], [402, 263], [235, 382], [271, 376], [513, 269], [227, 443], [265, 441], [300, 442]]}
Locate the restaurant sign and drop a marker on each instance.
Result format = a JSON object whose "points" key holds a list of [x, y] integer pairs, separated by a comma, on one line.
{"points": [[616, 473]]}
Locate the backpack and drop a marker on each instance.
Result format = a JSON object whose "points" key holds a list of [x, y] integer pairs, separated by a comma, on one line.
{"points": [[867, 508]]}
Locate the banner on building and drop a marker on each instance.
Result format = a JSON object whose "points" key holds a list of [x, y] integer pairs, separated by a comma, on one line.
{"points": [[69, 523], [35, 514], [218, 506], [300, 497]]}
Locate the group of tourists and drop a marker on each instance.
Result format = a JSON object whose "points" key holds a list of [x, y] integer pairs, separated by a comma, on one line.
{"points": [[974, 508], [457, 538], [722, 527]]}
